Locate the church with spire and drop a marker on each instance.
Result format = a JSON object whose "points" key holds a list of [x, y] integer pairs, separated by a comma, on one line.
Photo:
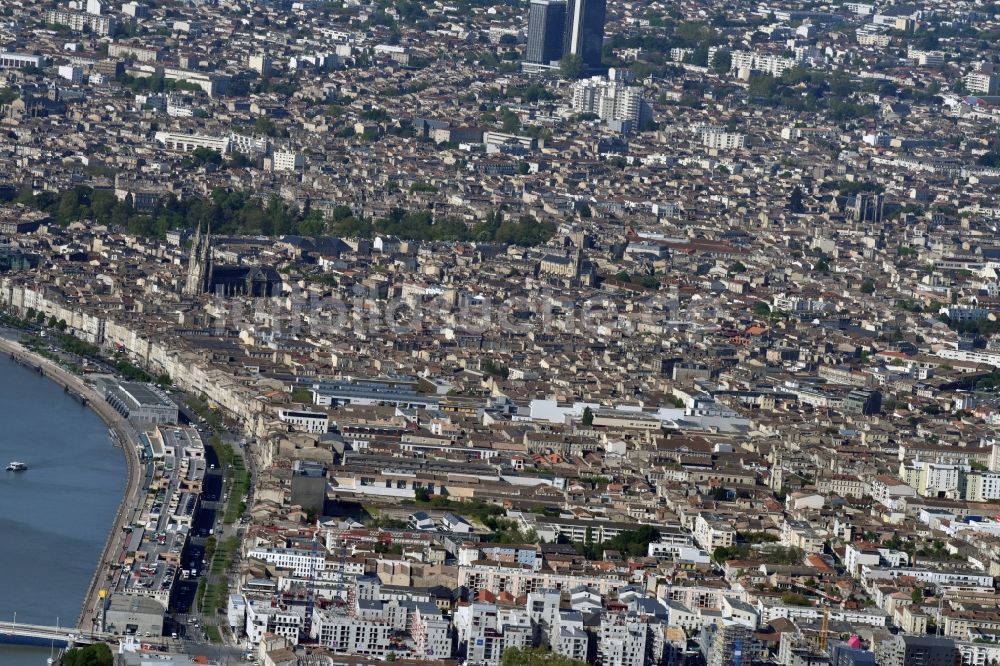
{"points": [[199, 263], [205, 277]]}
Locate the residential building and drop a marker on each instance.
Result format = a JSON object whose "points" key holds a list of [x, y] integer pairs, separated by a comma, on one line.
{"points": [[904, 650]]}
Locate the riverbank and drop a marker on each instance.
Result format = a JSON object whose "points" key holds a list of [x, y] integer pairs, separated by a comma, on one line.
{"points": [[127, 439]]}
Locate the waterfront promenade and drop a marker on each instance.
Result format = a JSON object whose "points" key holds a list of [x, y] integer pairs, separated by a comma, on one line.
{"points": [[128, 440]]}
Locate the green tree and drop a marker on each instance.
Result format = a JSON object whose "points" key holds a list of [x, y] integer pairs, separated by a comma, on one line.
{"points": [[642, 70], [509, 121], [795, 200], [239, 160], [588, 417], [201, 156], [69, 206], [536, 657], [917, 596], [98, 654], [762, 86], [722, 61], [698, 57], [264, 125], [26, 195], [647, 281], [571, 66], [795, 599], [495, 369], [868, 286], [737, 552], [634, 542]]}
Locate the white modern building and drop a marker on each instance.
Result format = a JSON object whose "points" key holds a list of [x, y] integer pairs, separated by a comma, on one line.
{"points": [[983, 80], [335, 629], [961, 578], [78, 21], [301, 562], [982, 486], [711, 532], [623, 640], [286, 160], [134, 52], [766, 63], [718, 139], [186, 143], [20, 61], [269, 617], [314, 422], [72, 73], [611, 100]]}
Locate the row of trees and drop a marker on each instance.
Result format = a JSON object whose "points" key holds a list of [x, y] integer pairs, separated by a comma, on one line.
{"points": [[226, 212], [71, 344], [769, 554], [421, 225], [642, 280], [155, 83], [242, 213], [985, 328]]}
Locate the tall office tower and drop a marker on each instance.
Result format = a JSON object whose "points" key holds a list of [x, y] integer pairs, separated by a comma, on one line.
{"points": [[585, 30], [546, 27]]}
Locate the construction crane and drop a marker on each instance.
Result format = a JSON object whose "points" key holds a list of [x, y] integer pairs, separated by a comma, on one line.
{"points": [[311, 593], [341, 593], [825, 629]]}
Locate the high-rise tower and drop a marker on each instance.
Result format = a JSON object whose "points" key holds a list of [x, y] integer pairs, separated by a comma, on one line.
{"points": [[546, 31], [584, 34]]}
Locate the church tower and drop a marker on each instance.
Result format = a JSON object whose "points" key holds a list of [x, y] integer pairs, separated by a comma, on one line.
{"points": [[777, 472], [199, 273]]}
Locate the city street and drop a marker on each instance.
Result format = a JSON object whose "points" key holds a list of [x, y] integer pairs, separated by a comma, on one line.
{"points": [[188, 621]]}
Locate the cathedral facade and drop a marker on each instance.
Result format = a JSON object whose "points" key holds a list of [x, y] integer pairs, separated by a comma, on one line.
{"points": [[204, 277]]}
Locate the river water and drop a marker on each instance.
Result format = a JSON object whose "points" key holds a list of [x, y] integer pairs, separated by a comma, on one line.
{"points": [[55, 517]]}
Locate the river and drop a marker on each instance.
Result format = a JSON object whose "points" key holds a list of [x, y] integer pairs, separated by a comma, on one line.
{"points": [[55, 517]]}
